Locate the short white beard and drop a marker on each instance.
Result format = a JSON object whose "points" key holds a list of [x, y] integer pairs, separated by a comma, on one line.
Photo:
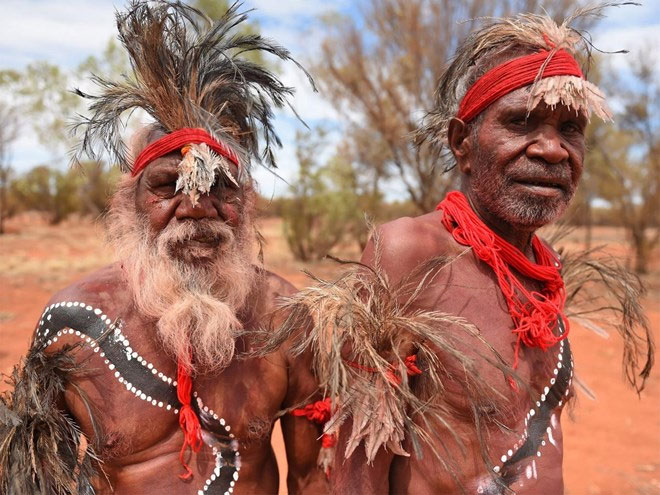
{"points": [[194, 305]]}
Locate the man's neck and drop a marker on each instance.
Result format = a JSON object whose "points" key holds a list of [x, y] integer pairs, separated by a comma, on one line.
{"points": [[520, 238]]}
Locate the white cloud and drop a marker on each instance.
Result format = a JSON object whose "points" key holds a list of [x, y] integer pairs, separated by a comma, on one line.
{"points": [[629, 27], [632, 15], [309, 104], [635, 39], [63, 32]]}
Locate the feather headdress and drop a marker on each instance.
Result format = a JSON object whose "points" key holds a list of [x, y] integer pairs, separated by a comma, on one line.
{"points": [[189, 72], [502, 40], [602, 294]]}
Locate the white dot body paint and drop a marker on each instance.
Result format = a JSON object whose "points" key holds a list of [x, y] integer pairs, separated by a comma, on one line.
{"points": [[130, 354]]}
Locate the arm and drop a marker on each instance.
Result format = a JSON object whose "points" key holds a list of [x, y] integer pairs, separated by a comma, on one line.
{"points": [[355, 475], [396, 250], [42, 449], [302, 437]]}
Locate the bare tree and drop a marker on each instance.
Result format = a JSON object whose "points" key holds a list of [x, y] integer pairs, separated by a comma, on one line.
{"points": [[380, 68], [8, 134], [628, 175]]}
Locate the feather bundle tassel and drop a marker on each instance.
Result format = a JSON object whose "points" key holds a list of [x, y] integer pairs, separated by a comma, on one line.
{"points": [[573, 92], [604, 294], [198, 170], [42, 449], [360, 329]]}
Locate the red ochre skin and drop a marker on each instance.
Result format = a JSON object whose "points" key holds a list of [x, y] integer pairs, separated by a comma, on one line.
{"points": [[548, 146], [140, 443]]}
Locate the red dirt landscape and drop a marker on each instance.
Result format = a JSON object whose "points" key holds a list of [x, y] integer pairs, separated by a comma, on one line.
{"points": [[612, 444]]}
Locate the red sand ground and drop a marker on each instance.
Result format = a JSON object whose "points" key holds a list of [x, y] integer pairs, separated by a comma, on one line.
{"points": [[612, 446]]}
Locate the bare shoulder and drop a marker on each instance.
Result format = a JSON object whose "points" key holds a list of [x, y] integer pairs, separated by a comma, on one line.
{"points": [[270, 289], [104, 288], [406, 242], [277, 285]]}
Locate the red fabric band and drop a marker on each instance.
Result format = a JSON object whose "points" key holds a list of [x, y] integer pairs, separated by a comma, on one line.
{"points": [[533, 313], [177, 140], [328, 441], [392, 372], [317, 412], [511, 75], [320, 412]]}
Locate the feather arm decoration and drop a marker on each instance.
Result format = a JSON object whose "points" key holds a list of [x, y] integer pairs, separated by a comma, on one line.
{"points": [[360, 329], [42, 449], [188, 71], [602, 294]]}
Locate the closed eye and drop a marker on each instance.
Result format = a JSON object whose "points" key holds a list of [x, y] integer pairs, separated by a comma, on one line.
{"points": [[572, 128]]}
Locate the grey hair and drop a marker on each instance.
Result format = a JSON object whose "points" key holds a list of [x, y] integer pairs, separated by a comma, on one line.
{"points": [[495, 43]]}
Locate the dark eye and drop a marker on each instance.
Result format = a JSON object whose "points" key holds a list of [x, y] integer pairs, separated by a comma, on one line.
{"points": [[571, 127], [518, 122]]}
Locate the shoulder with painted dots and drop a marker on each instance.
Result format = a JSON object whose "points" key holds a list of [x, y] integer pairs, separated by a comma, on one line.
{"points": [[93, 301]]}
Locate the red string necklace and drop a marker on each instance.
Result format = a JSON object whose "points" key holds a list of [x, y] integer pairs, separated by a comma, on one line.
{"points": [[533, 313]]}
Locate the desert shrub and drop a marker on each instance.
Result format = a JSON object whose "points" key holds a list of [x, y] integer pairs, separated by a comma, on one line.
{"points": [[85, 191], [322, 207]]}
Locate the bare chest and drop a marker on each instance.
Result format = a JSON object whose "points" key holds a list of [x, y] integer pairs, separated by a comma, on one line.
{"points": [[523, 436], [131, 384]]}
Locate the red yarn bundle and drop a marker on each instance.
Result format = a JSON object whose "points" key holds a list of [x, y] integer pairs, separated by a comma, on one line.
{"points": [[534, 314], [188, 420]]}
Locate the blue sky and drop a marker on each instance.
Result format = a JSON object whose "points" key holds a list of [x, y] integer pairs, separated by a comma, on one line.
{"points": [[66, 31]]}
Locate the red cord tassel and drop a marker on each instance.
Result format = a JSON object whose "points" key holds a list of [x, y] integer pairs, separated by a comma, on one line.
{"points": [[188, 420]]}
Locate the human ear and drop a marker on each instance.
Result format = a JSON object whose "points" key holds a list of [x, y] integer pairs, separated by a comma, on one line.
{"points": [[459, 141]]}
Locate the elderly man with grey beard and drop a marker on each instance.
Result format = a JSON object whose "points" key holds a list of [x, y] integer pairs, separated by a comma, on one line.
{"points": [[140, 377], [445, 351]]}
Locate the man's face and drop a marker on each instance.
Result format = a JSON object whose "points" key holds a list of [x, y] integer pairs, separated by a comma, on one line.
{"points": [[164, 209], [189, 269], [522, 170]]}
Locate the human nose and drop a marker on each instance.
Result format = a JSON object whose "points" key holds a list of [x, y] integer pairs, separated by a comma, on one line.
{"points": [[548, 146], [203, 209]]}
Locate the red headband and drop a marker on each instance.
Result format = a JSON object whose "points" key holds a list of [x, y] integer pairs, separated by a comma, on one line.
{"points": [[177, 140], [512, 75]]}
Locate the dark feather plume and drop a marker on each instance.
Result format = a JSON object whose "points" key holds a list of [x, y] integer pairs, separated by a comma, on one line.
{"points": [[42, 450], [189, 71]]}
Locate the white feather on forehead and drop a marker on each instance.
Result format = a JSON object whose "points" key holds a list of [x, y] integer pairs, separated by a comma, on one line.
{"points": [[199, 169], [570, 91]]}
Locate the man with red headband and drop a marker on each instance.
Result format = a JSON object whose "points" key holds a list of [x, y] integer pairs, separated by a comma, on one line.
{"points": [[141, 378], [449, 361]]}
